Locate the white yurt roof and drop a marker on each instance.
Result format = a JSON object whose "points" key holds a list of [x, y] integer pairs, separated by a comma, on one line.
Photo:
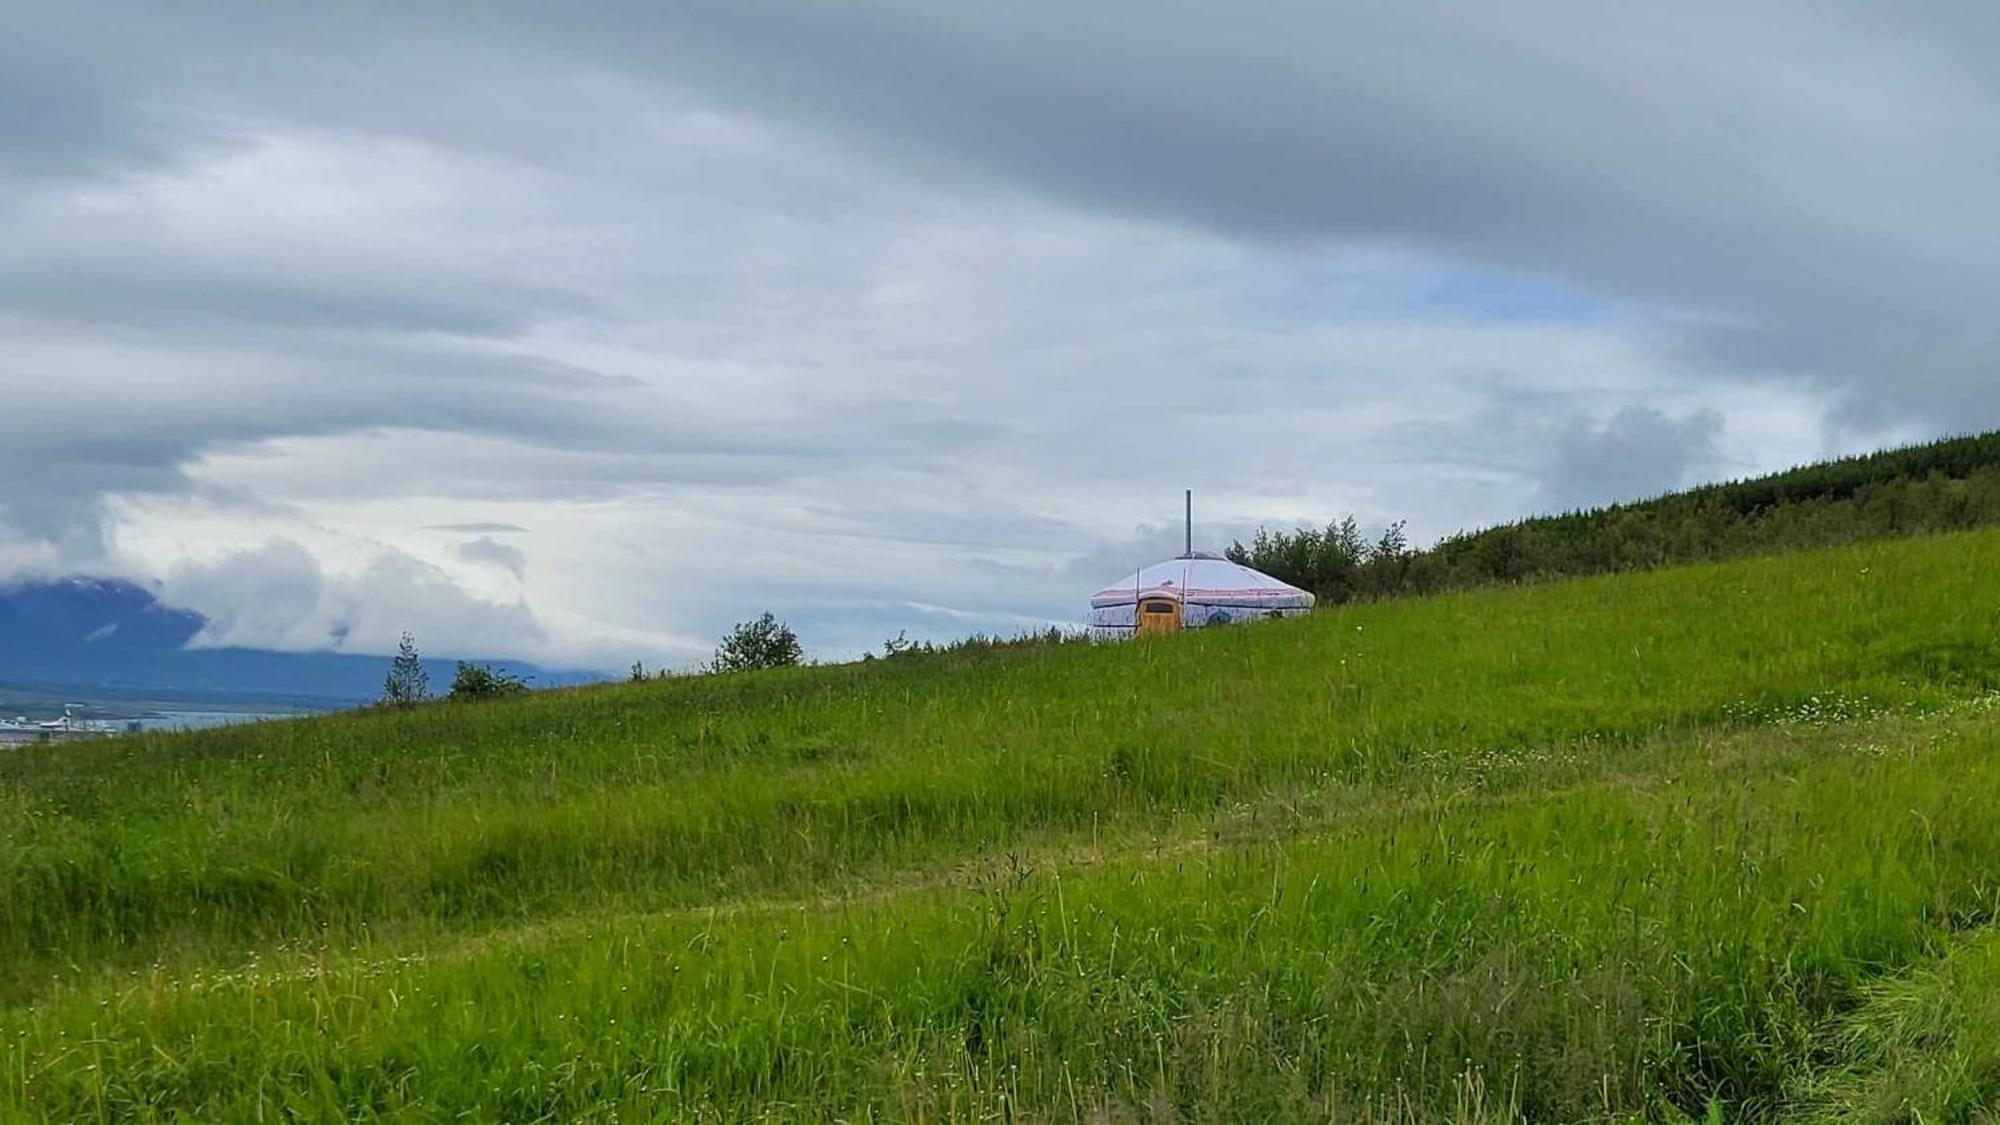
{"points": [[1207, 580]]}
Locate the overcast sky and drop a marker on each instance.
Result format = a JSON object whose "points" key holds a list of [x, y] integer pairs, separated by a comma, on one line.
{"points": [[578, 332]]}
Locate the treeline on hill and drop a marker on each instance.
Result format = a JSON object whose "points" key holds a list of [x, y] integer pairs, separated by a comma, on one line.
{"points": [[1941, 486]]}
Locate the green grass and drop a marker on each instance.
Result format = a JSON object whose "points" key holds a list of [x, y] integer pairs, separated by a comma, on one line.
{"points": [[1924, 1044], [1644, 845]]}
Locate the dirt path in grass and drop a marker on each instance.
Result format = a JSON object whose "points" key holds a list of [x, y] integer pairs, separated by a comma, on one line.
{"points": [[1275, 818]]}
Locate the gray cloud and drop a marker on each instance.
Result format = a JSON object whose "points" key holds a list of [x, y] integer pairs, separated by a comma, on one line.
{"points": [[1808, 184], [479, 528], [491, 552], [64, 113], [1639, 452], [895, 307], [1717, 164]]}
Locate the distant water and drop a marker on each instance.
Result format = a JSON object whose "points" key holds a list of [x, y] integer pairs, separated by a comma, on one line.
{"points": [[202, 720]]}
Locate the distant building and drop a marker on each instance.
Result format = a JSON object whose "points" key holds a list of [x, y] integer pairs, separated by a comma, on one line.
{"points": [[1192, 591]]}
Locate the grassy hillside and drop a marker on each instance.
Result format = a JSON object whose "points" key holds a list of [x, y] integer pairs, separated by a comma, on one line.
{"points": [[1948, 485], [1709, 838]]}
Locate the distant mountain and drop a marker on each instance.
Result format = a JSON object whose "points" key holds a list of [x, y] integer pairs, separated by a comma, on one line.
{"points": [[112, 638]]}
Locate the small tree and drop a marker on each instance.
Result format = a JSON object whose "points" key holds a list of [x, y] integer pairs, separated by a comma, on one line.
{"points": [[638, 675], [407, 684], [764, 643], [1394, 545], [483, 681]]}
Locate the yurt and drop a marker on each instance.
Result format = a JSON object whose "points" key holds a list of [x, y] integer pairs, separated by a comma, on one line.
{"points": [[1191, 591]]}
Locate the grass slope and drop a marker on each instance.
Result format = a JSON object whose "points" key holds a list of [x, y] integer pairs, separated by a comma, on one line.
{"points": [[1643, 845], [1941, 486]]}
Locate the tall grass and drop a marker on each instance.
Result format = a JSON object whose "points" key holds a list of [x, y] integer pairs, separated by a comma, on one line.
{"points": [[1627, 845]]}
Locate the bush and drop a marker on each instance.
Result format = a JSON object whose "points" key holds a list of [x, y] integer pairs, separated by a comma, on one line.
{"points": [[764, 643], [483, 681]]}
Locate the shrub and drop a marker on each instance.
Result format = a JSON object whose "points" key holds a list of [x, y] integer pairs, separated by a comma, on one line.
{"points": [[763, 643], [483, 681]]}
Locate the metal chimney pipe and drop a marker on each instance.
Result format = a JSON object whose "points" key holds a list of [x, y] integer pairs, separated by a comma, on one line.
{"points": [[1189, 553]]}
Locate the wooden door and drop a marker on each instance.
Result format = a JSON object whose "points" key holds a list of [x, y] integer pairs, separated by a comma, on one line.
{"points": [[1159, 615]]}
